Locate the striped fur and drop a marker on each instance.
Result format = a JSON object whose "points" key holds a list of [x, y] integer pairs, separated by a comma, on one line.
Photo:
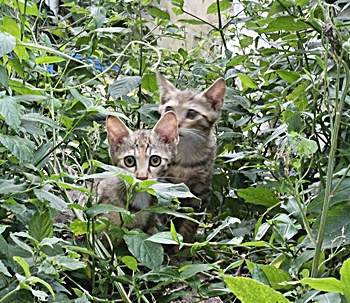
{"points": [[145, 148], [196, 113]]}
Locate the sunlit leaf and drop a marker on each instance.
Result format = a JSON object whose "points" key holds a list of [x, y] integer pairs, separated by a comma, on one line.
{"points": [[7, 43], [124, 86]]}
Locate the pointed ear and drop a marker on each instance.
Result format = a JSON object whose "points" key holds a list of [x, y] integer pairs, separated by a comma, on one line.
{"points": [[165, 87], [167, 128], [216, 93], [116, 131]]}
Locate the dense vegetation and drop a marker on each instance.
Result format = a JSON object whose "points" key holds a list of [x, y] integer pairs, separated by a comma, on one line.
{"points": [[277, 229]]}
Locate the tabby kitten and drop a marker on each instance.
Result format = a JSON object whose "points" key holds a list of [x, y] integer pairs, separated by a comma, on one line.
{"points": [[196, 113], [145, 153]]}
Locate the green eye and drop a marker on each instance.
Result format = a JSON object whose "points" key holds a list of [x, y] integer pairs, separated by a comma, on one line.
{"points": [[155, 161], [130, 161], [191, 114]]}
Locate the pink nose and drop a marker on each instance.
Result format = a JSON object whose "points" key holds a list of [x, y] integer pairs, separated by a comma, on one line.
{"points": [[141, 177]]}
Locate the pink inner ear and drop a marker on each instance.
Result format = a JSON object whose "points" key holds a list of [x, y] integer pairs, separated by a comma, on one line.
{"points": [[116, 131], [166, 127], [216, 93]]}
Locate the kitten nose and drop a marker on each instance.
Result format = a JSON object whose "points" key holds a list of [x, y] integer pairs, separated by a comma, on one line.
{"points": [[142, 176]]}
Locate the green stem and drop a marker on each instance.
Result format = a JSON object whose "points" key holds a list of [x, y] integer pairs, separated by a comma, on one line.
{"points": [[331, 163]]}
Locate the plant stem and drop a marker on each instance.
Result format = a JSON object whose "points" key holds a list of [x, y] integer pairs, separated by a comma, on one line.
{"points": [[331, 163]]}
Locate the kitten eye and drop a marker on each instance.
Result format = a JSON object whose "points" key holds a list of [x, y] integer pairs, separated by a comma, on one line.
{"points": [[129, 161], [155, 161], [191, 114], [169, 108]]}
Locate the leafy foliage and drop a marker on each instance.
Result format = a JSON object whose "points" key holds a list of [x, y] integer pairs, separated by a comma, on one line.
{"points": [[278, 219]]}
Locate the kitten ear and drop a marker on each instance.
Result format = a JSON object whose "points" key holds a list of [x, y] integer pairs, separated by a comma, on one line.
{"points": [[116, 131], [165, 87], [216, 93], [167, 128]]}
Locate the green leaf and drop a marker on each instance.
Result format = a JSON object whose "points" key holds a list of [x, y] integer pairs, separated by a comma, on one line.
{"points": [[78, 227], [149, 82], [250, 291], [87, 102], [24, 265], [157, 12], [10, 111], [223, 4], [276, 276], [34, 280], [288, 76], [4, 270], [4, 78], [258, 195], [9, 25], [247, 81], [191, 21], [190, 270], [104, 209], [7, 43], [68, 263], [150, 254], [345, 279], [324, 284], [130, 262], [164, 237], [40, 225], [48, 60], [21, 244], [123, 86], [285, 23], [22, 149], [37, 117], [55, 201], [167, 192]]}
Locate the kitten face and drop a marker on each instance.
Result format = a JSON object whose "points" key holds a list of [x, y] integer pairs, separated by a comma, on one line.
{"points": [[194, 110], [145, 153]]}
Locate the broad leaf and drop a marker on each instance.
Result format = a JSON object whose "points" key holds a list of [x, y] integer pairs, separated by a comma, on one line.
{"points": [[251, 291], [10, 110], [324, 284], [104, 209], [55, 201], [22, 149], [7, 43], [150, 254], [124, 86], [247, 81], [167, 192], [157, 12], [258, 195], [285, 23], [40, 225], [223, 5], [4, 78]]}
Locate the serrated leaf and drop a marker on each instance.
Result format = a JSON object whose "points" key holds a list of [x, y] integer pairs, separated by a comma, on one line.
{"points": [[157, 12], [4, 78], [124, 86], [104, 209], [40, 225], [258, 195], [22, 149], [55, 201], [223, 4], [150, 254], [10, 111], [251, 291], [7, 43]]}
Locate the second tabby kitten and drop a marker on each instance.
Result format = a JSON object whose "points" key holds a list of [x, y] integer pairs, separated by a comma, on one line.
{"points": [[196, 113]]}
